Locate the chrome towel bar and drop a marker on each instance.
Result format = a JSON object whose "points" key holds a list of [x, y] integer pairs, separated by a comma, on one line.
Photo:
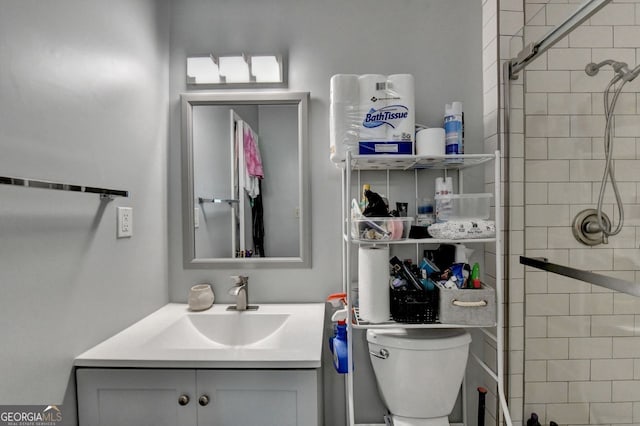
{"points": [[104, 193]]}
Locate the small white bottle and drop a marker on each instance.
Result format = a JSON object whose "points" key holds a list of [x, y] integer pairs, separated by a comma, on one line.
{"points": [[454, 128]]}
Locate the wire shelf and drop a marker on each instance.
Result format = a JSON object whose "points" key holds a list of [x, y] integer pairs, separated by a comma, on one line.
{"points": [[413, 162], [359, 323]]}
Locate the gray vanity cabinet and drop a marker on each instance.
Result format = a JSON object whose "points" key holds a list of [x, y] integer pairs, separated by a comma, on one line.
{"points": [[114, 397], [155, 397]]}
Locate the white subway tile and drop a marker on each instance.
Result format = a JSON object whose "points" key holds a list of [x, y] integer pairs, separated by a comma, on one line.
{"points": [[625, 105], [548, 81], [489, 30], [589, 391], [636, 369], [568, 326], [547, 304], [612, 325], [536, 193], [514, 5], [536, 103], [590, 347], [632, 215], [603, 412], [556, 12], [535, 148], [627, 191], [511, 22], [586, 36], [626, 259], [547, 215], [536, 326], [534, 14], [545, 349], [614, 14], [489, 10], [569, 148], [574, 414], [516, 361], [536, 283], [623, 148], [562, 238], [570, 192], [591, 260], [560, 284], [546, 392], [536, 238], [627, 390], [536, 371], [591, 304], [569, 103], [547, 170], [626, 36], [627, 126], [568, 370], [626, 304], [611, 369], [586, 170], [516, 338], [548, 126], [581, 82], [587, 125], [568, 59], [626, 347]]}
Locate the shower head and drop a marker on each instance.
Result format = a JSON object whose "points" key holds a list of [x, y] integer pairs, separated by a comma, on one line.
{"points": [[620, 68]]}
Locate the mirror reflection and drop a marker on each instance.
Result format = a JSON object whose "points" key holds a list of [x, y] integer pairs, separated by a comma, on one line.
{"points": [[245, 180]]}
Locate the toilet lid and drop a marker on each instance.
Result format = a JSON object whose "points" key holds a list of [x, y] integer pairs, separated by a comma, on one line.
{"points": [[419, 338]]}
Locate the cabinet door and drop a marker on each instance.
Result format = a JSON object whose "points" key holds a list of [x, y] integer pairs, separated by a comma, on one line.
{"points": [[113, 397], [258, 397]]}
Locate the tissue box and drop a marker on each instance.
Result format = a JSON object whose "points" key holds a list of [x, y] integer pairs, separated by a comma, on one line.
{"points": [[468, 306]]}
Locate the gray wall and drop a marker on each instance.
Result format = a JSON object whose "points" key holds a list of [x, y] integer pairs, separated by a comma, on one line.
{"points": [[439, 42], [84, 100]]}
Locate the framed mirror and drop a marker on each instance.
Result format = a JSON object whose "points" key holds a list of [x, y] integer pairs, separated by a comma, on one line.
{"points": [[245, 180]]}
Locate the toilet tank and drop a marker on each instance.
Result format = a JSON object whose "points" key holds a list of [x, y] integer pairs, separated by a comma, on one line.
{"points": [[422, 374]]}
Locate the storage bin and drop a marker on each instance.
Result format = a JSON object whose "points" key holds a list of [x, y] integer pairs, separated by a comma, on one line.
{"points": [[462, 206], [413, 306], [379, 229], [467, 306]]}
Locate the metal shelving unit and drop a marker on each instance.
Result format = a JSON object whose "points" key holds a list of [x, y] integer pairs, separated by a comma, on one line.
{"points": [[416, 163]]}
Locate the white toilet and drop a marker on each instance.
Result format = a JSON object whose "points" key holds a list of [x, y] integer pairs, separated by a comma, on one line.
{"points": [[419, 372]]}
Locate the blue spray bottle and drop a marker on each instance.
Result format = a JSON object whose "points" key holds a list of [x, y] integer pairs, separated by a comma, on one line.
{"points": [[338, 342]]}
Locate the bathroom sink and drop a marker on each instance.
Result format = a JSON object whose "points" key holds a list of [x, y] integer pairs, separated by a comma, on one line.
{"points": [[274, 336], [229, 328]]}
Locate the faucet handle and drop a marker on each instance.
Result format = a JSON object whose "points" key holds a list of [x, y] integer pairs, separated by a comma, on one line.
{"points": [[239, 280]]}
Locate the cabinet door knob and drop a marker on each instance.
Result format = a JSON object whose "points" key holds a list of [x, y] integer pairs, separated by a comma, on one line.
{"points": [[203, 400], [183, 400]]}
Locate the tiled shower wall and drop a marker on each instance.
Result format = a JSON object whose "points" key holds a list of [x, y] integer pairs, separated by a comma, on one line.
{"points": [[582, 342]]}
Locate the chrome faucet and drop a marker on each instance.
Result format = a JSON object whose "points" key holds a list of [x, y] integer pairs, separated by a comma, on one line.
{"points": [[240, 290]]}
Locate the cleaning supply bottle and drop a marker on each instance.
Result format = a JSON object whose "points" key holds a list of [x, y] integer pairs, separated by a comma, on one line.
{"points": [[454, 128], [474, 281], [338, 342], [363, 202]]}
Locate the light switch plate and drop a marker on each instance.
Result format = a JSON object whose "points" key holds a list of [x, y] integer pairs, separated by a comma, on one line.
{"points": [[125, 222]]}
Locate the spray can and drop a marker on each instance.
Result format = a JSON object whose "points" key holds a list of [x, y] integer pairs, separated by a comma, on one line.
{"points": [[454, 128]]}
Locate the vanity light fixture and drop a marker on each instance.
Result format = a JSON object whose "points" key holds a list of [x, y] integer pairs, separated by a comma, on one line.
{"points": [[242, 70]]}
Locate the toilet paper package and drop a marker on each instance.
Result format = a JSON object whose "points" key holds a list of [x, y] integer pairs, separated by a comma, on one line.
{"points": [[371, 114]]}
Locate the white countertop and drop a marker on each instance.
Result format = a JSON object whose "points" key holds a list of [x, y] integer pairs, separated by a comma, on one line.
{"points": [[274, 336]]}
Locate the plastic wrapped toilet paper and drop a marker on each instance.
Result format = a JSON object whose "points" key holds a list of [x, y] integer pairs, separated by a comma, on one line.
{"points": [[344, 112], [372, 99], [373, 283], [401, 94]]}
